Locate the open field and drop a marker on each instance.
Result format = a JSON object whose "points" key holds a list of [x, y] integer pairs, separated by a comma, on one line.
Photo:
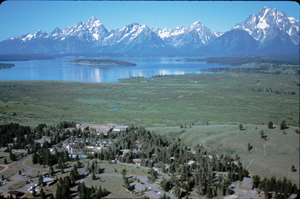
{"points": [[130, 170], [69, 164], [4, 155], [13, 168], [271, 157], [28, 163], [17, 185], [224, 98], [112, 183]]}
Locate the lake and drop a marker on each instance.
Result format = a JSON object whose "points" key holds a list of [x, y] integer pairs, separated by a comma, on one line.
{"points": [[59, 69]]}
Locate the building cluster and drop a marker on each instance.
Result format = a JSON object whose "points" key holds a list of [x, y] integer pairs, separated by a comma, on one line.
{"points": [[99, 128], [80, 147], [43, 140]]}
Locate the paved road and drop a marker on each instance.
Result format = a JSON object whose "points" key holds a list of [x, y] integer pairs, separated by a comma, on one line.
{"points": [[243, 194], [144, 179], [29, 170], [82, 171], [15, 178], [4, 168]]}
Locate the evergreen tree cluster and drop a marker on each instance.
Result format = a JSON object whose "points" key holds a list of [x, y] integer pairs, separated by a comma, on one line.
{"points": [[26, 136], [95, 168], [91, 193], [282, 188], [74, 175], [157, 150], [63, 188], [43, 156], [14, 130]]}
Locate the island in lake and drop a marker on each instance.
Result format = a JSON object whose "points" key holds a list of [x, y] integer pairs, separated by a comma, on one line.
{"points": [[5, 65], [101, 62]]}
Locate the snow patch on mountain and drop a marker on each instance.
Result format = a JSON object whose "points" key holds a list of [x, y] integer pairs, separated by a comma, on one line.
{"points": [[266, 27], [262, 25]]}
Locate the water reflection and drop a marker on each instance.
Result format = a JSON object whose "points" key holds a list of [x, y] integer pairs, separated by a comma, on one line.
{"points": [[59, 69]]}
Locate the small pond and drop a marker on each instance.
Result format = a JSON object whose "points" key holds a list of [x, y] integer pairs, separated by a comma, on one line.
{"points": [[114, 108]]}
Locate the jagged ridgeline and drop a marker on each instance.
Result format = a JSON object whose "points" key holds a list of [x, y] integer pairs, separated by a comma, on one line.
{"points": [[101, 62], [267, 32]]}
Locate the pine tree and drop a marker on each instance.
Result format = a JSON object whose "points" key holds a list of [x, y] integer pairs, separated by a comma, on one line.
{"points": [[41, 180], [124, 173], [94, 176], [293, 169], [51, 171], [289, 187], [33, 192], [270, 125], [42, 194], [38, 158], [163, 196], [209, 191], [126, 183], [12, 156], [256, 180], [58, 192], [177, 191], [241, 127], [283, 125], [61, 168]]}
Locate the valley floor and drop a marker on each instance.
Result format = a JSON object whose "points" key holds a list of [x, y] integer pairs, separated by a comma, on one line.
{"points": [[223, 98]]}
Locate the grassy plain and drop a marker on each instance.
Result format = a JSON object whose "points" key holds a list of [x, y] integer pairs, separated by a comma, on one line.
{"points": [[112, 183], [116, 169], [223, 98], [12, 169], [28, 163], [273, 156], [17, 185]]}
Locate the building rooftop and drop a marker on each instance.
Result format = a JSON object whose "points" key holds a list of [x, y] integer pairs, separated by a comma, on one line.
{"points": [[121, 127], [247, 183], [111, 124], [138, 186]]}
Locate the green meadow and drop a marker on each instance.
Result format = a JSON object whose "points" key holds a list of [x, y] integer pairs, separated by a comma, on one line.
{"points": [[223, 98], [272, 156]]}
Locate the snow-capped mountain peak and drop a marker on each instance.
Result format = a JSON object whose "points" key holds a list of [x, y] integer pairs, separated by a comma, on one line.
{"points": [[196, 24], [93, 22], [260, 26], [267, 30]]}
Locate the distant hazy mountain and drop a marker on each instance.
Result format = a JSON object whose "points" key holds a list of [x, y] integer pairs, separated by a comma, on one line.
{"points": [[233, 42], [269, 31]]}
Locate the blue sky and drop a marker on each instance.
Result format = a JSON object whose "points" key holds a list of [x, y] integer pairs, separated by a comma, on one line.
{"points": [[22, 17]]}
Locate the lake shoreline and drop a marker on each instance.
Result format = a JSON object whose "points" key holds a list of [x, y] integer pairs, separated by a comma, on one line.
{"points": [[101, 62]]}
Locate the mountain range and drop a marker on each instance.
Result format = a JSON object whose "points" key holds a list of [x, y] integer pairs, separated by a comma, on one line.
{"points": [[267, 32]]}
